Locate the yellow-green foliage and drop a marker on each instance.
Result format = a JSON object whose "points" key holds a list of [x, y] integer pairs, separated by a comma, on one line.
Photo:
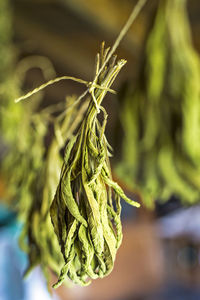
{"points": [[161, 115], [10, 114], [38, 238], [85, 221], [31, 183], [37, 190]]}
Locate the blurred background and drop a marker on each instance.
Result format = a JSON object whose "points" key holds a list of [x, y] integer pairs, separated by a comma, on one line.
{"points": [[160, 255]]}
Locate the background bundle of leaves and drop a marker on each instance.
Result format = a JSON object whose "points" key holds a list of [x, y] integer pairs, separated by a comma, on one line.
{"points": [[161, 114], [16, 132], [10, 113], [30, 181], [86, 223], [38, 238]]}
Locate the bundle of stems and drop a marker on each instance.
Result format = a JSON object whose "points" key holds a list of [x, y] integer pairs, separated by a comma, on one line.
{"points": [[38, 238], [85, 220], [24, 143], [161, 113], [22, 165], [10, 114], [18, 129]]}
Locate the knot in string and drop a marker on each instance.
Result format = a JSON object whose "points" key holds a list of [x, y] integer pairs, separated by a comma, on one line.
{"points": [[92, 87]]}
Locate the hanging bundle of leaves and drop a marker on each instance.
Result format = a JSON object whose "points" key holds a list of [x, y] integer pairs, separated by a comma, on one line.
{"points": [[22, 166], [18, 130], [86, 223], [10, 113], [38, 238], [161, 115]]}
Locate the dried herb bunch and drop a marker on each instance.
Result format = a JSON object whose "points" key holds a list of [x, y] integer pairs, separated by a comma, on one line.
{"points": [[26, 144], [161, 114], [19, 130], [85, 220], [10, 113], [38, 238], [23, 132]]}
